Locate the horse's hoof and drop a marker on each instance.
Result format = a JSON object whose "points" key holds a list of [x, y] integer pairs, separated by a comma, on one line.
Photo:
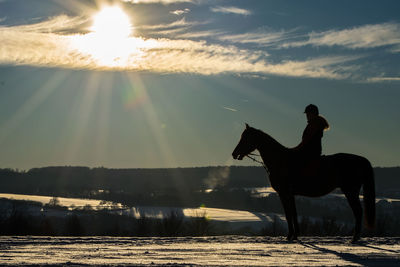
{"points": [[355, 240], [291, 238]]}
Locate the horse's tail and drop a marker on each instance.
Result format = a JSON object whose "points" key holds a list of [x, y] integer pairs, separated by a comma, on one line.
{"points": [[369, 196]]}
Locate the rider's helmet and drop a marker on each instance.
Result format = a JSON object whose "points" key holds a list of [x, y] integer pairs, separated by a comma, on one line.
{"points": [[312, 109]]}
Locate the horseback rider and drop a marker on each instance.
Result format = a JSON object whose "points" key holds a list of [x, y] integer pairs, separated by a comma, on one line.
{"points": [[310, 147]]}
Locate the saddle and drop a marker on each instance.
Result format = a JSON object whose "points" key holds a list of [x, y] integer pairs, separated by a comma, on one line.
{"points": [[311, 167], [304, 164]]}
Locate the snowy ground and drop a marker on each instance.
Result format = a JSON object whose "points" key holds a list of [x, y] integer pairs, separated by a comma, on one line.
{"points": [[234, 219], [199, 251], [63, 201]]}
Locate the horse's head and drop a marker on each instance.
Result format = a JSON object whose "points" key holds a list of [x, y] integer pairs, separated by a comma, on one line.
{"points": [[247, 143]]}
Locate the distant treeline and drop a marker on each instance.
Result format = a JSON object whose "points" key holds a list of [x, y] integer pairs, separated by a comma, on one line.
{"points": [[63, 181], [84, 181], [387, 180]]}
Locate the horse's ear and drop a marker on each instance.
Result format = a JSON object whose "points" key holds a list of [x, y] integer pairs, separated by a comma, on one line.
{"points": [[247, 126]]}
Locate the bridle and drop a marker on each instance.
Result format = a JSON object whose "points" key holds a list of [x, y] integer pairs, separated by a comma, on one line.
{"points": [[258, 161]]}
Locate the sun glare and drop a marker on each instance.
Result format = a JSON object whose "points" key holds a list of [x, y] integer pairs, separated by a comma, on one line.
{"points": [[109, 42], [111, 22]]}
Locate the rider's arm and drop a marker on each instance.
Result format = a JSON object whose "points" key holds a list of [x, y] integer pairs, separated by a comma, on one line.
{"points": [[309, 133]]}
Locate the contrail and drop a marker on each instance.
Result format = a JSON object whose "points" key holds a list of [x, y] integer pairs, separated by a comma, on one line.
{"points": [[231, 109]]}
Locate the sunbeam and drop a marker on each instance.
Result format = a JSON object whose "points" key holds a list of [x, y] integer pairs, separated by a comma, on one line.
{"points": [[168, 158], [103, 121], [31, 104], [85, 109], [153, 122]]}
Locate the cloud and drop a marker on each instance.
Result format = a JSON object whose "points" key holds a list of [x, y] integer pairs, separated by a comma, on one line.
{"points": [[61, 24], [180, 11], [367, 36], [198, 34], [395, 49], [323, 67], [161, 1], [231, 9], [177, 29], [178, 24], [384, 79], [47, 44], [261, 37], [36, 48]]}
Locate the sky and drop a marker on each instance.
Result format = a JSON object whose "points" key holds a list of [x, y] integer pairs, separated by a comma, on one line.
{"points": [[171, 83]]}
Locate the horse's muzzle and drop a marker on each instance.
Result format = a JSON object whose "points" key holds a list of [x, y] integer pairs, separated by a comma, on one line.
{"points": [[237, 156]]}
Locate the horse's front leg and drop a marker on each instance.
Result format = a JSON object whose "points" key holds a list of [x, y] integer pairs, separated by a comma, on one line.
{"points": [[295, 222], [291, 215]]}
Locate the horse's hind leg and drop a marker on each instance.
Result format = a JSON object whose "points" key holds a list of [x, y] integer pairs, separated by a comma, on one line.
{"points": [[355, 204]]}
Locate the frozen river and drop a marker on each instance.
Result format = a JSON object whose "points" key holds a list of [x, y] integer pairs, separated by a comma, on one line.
{"points": [[199, 251]]}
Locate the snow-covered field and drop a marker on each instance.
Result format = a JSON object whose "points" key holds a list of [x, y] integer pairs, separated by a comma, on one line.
{"points": [[194, 251], [78, 202], [199, 251], [62, 201], [234, 219]]}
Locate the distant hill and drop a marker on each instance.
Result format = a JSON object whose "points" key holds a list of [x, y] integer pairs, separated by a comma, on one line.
{"points": [[67, 181], [56, 180], [387, 180]]}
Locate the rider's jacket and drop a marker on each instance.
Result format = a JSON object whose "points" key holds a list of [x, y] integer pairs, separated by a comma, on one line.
{"points": [[310, 146]]}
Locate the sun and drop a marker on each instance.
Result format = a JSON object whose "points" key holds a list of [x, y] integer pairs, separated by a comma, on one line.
{"points": [[109, 41], [111, 22]]}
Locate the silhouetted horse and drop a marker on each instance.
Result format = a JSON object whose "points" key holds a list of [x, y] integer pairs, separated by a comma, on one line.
{"points": [[345, 171]]}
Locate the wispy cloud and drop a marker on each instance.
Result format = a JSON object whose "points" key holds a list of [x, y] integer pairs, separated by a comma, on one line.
{"points": [[260, 37], [323, 67], [32, 45], [179, 12], [182, 23], [177, 29], [384, 79], [231, 9], [367, 36], [58, 24], [395, 49], [198, 34], [162, 1], [178, 23]]}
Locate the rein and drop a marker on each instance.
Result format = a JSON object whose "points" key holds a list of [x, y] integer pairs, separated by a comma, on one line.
{"points": [[258, 161]]}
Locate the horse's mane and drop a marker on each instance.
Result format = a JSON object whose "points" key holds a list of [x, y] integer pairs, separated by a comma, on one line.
{"points": [[267, 138]]}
